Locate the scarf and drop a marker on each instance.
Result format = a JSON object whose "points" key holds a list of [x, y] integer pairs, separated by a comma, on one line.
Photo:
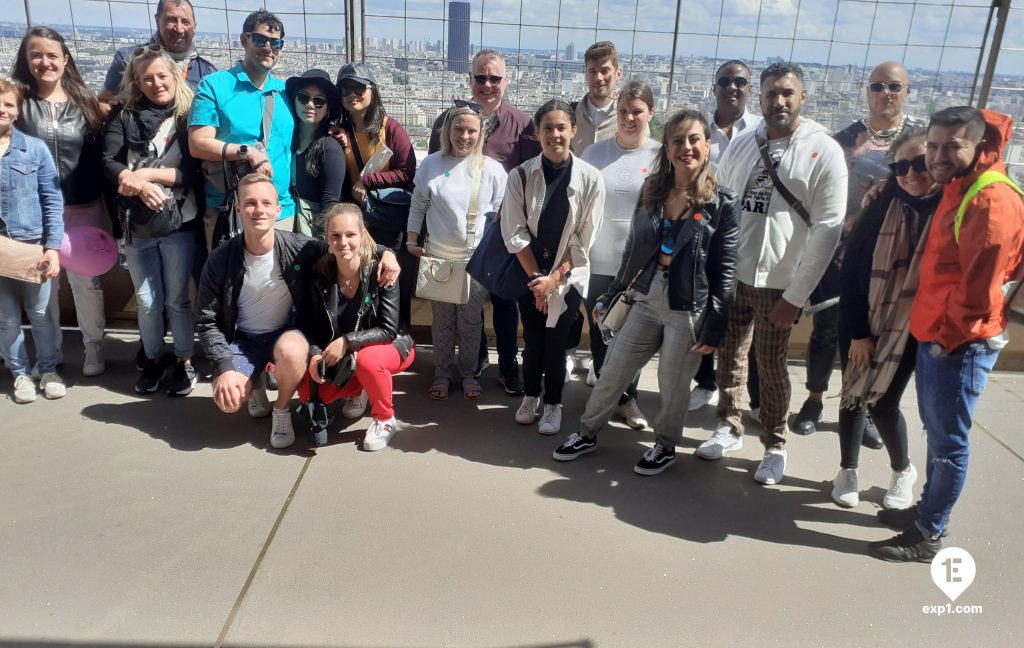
{"points": [[895, 273], [183, 59], [147, 119]]}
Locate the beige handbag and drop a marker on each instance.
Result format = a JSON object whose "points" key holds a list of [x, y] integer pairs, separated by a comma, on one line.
{"points": [[446, 280], [18, 260]]}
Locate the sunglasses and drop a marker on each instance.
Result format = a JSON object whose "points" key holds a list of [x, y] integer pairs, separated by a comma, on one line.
{"points": [[303, 99], [152, 47], [260, 41], [352, 87], [891, 87], [487, 78], [902, 168], [739, 82], [475, 107]]}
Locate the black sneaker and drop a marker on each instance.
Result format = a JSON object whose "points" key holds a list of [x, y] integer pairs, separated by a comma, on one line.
{"points": [[512, 385], [573, 447], [909, 546], [655, 460], [149, 381], [899, 519], [183, 379], [871, 439], [140, 358], [481, 368], [808, 416]]}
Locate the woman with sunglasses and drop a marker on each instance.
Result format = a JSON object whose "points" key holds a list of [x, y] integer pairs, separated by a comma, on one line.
{"points": [[553, 208], [319, 159], [443, 197], [876, 352], [367, 130], [60, 110], [679, 266], [151, 121]]}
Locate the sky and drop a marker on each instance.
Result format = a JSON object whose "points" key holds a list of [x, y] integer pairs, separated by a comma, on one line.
{"points": [[836, 32]]}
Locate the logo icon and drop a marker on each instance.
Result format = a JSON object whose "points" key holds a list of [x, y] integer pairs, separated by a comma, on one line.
{"points": [[953, 571]]}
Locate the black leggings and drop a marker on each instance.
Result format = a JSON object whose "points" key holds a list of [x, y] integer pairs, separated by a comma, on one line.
{"points": [[544, 348], [892, 427]]}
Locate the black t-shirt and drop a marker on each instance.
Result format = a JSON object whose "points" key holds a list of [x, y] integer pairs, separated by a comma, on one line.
{"points": [[348, 310], [324, 188], [553, 214]]}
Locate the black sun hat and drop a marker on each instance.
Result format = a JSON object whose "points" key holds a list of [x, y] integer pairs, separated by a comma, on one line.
{"points": [[320, 79]]}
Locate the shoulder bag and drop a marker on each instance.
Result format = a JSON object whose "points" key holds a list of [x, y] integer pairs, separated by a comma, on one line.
{"points": [[138, 220], [386, 209], [493, 266]]}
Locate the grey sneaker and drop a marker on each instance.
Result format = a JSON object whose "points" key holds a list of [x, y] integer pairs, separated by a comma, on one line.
{"points": [[282, 434], [723, 440], [772, 467], [527, 412], [24, 390], [630, 412], [259, 404], [52, 386], [355, 406], [700, 397], [93, 364]]}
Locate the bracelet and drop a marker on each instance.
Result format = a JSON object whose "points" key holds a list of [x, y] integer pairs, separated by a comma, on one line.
{"points": [[535, 275], [224, 151], [261, 163], [410, 244]]}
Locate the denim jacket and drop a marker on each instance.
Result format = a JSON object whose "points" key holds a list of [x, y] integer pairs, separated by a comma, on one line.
{"points": [[31, 204]]}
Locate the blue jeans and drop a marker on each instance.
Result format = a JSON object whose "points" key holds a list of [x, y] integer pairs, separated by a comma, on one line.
{"points": [[948, 388], [44, 333], [160, 270]]}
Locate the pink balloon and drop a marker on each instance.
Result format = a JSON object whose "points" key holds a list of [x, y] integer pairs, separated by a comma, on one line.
{"points": [[88, 250]]}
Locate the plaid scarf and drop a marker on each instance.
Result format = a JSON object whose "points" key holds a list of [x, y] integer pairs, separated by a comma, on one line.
{"points": [[895, 273]]}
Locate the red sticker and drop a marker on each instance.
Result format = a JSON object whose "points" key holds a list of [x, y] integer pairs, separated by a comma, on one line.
{"points": [[696, 216], [643, 170], [814, 155]]}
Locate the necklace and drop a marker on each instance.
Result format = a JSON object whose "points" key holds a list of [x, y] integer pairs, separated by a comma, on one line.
{"points": [[884, 137]]}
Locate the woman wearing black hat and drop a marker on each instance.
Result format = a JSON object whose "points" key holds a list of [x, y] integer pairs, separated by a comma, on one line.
{"points": [[319, 160]]}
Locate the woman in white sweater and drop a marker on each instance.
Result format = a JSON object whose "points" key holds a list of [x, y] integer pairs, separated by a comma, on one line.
{"points": [[442, 199]]}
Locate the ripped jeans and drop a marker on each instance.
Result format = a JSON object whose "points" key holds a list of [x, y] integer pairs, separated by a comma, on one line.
{"points": [[948, 388]]}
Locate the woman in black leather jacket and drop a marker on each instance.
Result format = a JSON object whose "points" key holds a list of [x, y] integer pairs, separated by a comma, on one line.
{"points": [[350, 313], [60, 110], [679, 270]]}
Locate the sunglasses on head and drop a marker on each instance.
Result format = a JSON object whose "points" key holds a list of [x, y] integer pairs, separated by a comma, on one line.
{"points": [[152, 47], [485, 78], [260, 41], [303, 98], [739, 82], [902, 168], [878, 86], [475, 107]]}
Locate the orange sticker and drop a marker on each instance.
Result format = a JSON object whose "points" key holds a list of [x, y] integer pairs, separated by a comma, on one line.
{"points": [[696, 216], [643, 170]]}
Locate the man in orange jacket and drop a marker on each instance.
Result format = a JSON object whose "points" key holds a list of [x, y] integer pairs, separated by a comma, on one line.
{"points": [[970, 260]]}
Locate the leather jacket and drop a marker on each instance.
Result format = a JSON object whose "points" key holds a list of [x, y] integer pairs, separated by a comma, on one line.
{"points": [[75, 151], [702, 275]]}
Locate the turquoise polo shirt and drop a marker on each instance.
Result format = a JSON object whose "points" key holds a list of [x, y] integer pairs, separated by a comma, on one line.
{"points": [[228, 101]]}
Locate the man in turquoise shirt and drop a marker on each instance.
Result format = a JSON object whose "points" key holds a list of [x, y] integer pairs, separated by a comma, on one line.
{"points": [[226, 121]]}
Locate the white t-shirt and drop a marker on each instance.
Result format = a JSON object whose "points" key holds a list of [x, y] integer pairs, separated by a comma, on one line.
{"points": [[623, 171], [264, 301], [756, 197]]}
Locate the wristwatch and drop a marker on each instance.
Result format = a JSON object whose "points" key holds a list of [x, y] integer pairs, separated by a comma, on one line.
{"points": [[243, 151]]}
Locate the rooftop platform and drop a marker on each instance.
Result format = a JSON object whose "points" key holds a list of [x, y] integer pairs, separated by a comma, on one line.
{"points": [[158, 522]]}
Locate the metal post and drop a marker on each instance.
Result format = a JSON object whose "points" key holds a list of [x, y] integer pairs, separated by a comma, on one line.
{"points": [[28, 14], [672, 63], [350, 30], [981, 51], [993, 57]]}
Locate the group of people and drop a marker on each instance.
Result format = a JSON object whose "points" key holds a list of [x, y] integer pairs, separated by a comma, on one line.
{"points": [[903, 236]]}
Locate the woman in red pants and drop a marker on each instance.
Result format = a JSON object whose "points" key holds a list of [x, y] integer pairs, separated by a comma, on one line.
{"points": [[351, 315]]}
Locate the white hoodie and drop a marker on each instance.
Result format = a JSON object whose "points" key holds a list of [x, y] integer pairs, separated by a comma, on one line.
{"points": [[777, 250]]}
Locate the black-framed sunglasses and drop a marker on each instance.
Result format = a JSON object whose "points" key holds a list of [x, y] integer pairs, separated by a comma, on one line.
{"points": [[902, 168], [878, 86], [260, 41], [485, 78], [152, 47], [303, 98], [739, 82], [475, 107], [352, 87]]}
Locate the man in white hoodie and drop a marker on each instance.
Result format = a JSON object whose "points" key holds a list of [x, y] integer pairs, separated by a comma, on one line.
{"points": [[785, 246]]}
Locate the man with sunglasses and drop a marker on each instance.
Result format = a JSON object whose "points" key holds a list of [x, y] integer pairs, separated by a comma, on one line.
{"points": [[510, 139], [866, 148], [175, 32], [229, 113], [970, 264]]}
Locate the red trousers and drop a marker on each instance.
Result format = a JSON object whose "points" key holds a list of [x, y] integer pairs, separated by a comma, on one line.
{"points": [[375, 365]]}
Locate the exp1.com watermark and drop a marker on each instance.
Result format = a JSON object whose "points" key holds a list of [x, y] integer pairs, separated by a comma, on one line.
{"points": [[953, 571]]}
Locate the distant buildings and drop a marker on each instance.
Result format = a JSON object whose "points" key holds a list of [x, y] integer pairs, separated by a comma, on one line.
{"points": [[570, 51], [458, 37]]}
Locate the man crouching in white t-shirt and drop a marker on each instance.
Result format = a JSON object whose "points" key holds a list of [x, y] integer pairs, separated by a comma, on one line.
{"points": [[250, 302]]}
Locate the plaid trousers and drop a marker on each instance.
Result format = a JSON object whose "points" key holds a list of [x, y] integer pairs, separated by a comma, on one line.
{"points": [[749, 323]]}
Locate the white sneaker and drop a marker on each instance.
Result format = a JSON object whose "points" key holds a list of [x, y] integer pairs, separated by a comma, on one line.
{"points": [[52, 386], [24, 390], [527, 412], [282, 434], [379, 434], [630, 411], [700, 397], [355, 406], [723, 440], [570, 366], [845, 489], [901, 489], [551, 421], [93, 364], [259, 404], [772, 467], [591, 375]]}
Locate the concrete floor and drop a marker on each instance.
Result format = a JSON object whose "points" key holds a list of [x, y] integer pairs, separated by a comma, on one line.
{"points": [[130, 521]]}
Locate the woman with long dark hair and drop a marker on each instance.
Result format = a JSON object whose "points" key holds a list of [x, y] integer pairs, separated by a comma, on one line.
{"points": [[679, 268], [60, 110]]}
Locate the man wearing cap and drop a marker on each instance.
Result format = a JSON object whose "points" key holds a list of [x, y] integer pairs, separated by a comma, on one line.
{"points": [[510, 138], [242, 115]]}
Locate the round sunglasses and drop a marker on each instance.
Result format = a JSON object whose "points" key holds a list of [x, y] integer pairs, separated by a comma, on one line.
{"points": [[303, 98]]}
